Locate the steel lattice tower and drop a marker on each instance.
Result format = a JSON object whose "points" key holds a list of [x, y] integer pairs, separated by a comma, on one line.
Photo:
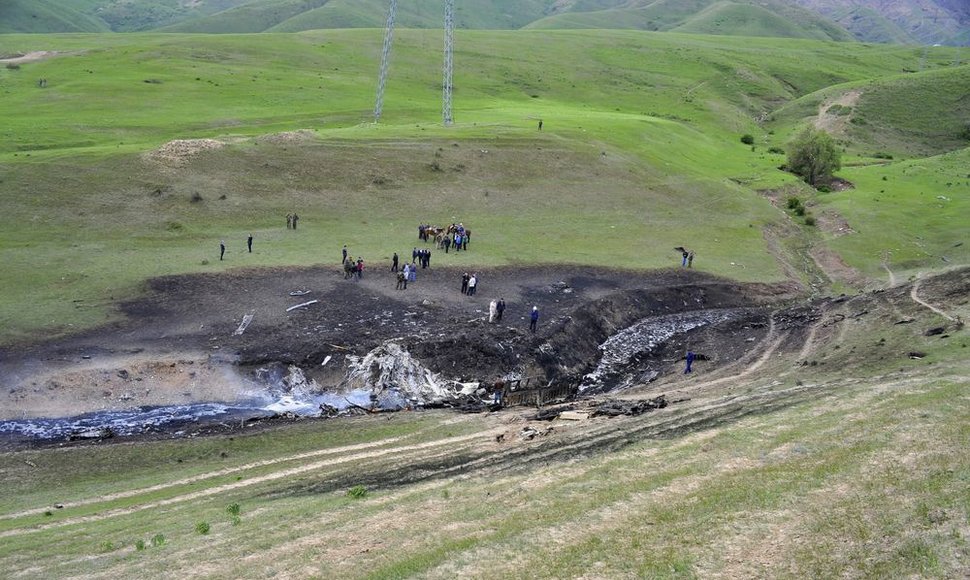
{"points": [[385, 58], [446, 85]]}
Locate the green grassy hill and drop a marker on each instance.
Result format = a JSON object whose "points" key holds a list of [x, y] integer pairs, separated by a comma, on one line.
{"points": [[913, 114], [49, 16], [743, 20], [764, 18], [641, 144]]}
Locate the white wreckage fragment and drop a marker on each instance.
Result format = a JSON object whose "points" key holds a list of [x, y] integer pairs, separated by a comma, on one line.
{"points": [[396, 379]]}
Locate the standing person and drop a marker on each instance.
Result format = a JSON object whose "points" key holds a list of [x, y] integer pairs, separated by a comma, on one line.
{"points": [[343, 253], [414, 254], [402, 281], [413, 274], [540, 124], [296, 218], [222, 249], [492, 311], [472, 284], [464, 283], [534, 318], [457, 242], [289, 221], [360, 268], [683, 255], [499, 309], [394, 262], [406, 270], [447, 243], [690, 361], [249, 243], [690, 259]]}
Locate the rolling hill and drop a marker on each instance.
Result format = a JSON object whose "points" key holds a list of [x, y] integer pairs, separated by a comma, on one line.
{"points": [[909, 21]]}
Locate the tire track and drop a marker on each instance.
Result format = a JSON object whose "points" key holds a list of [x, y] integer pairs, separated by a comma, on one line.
{"points": [[203, 477], [249, 482]]}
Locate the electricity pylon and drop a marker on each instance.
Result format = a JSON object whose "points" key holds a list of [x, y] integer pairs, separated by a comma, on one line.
{"points": [[446, 87]]}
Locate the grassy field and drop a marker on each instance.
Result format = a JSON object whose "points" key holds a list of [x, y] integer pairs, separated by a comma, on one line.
{"points": [[639, 153]]}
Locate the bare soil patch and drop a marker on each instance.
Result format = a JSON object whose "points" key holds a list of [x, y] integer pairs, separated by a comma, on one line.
{"points": [[178, 342]]}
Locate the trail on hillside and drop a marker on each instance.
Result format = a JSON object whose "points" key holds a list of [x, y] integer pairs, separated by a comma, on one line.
{"points": [[914, 294]]}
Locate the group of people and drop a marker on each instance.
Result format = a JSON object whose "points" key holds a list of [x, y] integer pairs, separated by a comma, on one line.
{"points": [[469, 284], [353, 269], [222, 247], [454, 236], [409, 273], [291, 219], [422, 256]]}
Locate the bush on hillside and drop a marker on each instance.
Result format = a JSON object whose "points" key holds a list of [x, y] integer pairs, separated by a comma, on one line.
{"points": [[747, 139], [776, 150], [814, 156]]}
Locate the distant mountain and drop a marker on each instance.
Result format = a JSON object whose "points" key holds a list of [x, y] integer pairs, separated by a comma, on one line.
{"points": [[892, 21], [914, 21]]}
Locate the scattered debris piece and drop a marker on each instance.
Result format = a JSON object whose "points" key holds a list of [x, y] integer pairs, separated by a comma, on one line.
{"points": [[616, 407], [574, 415], [300, 292], [530, 433], [244, 324], [294, 307], [935, 330], [102, 433], [916, 355]]}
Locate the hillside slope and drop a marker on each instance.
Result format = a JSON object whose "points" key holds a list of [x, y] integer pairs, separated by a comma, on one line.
{"points": [[922, 21], [908, 21]]}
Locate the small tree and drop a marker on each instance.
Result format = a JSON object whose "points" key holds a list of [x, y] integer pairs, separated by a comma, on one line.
{"points": [[814, 156]]}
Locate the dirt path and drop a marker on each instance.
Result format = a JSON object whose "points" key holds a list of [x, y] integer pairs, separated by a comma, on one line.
{"points": [[204, 476], [836, 123], [914, 294], [892, 276], [29, 57]]}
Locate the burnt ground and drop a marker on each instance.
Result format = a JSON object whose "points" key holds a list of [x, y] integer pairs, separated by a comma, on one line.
{"points": [[176, 343]]}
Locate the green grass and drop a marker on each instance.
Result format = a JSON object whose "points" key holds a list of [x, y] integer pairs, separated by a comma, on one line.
{"points": [[640, 146], [913, 212]]}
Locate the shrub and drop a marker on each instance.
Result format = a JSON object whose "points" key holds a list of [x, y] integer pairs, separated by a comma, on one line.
{"points": [[799, 211], [13, 66], [776, 150], [233, 509], [814, 156], [747, 139], [140, 545], [158, 540], [357, 492], [106, 546], [202, 528], [809, 220], [196, 197], [824, 189], [794, 202]]}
